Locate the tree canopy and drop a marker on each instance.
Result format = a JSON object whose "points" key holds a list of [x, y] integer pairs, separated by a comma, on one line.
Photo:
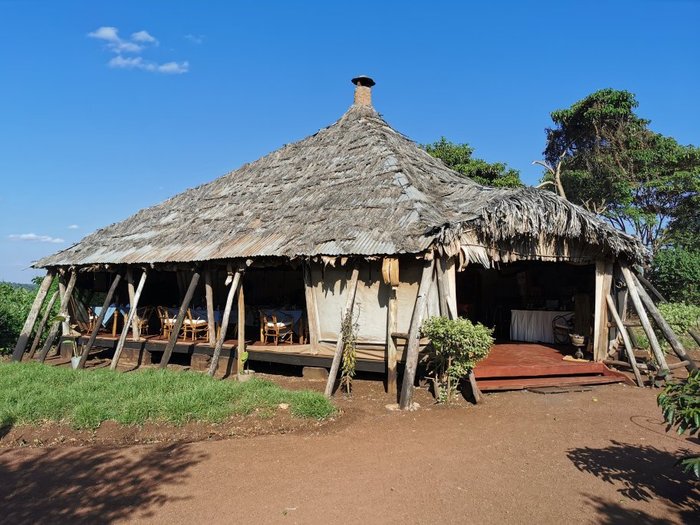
{"points": [[613, 164], [459, 158]]}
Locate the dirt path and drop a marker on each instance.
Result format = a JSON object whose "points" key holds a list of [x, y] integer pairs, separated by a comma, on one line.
{"points": [[520, 458]]}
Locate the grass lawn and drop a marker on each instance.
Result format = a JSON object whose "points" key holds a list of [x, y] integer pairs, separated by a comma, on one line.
{"points": [[33, 393]]}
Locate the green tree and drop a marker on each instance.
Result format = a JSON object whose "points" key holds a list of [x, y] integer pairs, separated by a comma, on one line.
{"points": [[459, 158], [613, 164], [680, 405]]}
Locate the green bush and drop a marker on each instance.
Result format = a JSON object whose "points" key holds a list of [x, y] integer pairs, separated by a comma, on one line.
{"points": [[457, 345], [676, 273], [680, 405], [681, 316], [15, 302]]}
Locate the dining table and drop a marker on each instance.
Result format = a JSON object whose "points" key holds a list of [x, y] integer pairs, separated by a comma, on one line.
{"points": [[534, 326], [112, 309]]}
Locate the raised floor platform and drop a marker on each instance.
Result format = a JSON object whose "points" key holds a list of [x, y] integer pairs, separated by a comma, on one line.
{"points": [[517, 366]]}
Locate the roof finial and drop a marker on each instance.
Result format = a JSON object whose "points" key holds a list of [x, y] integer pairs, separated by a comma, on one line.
{"points": [[363, 90]]}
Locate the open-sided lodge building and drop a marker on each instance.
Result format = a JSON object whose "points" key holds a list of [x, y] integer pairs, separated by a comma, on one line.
{"points": [[355, 216]]}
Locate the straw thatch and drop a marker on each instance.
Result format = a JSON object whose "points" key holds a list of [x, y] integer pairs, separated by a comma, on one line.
{"points": [[357, 187]]}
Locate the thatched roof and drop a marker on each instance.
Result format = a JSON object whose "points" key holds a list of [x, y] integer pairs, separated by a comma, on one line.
{"points": [[357, 187]]}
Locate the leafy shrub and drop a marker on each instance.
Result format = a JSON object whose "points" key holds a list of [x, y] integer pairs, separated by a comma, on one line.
{"points": [[676, 273], [681, 316], [680, 405], [457, 345], [15, 302]]}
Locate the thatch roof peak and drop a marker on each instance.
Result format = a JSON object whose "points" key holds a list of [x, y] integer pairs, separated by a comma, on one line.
{"points": [[357, 187]]}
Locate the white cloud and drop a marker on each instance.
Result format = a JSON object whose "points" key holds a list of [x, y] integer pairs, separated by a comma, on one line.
{"points": [[116, 44], [169, 68], [195, 39], [111, 34], [145, 37], [174, 68], [35, 237], [137, 43], [73, 227]]}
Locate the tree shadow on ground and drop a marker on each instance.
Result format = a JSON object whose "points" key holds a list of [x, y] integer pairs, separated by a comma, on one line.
{"points": [[613, 513], [645, 473], [91, 485]]}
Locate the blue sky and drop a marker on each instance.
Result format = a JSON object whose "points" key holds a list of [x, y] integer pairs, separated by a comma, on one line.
{"points": [[98, 123]]}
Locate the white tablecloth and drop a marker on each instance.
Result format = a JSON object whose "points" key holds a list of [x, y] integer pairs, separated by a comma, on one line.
{"points": [[533, 326]]}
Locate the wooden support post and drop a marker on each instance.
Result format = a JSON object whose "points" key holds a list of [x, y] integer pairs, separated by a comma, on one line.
{"points": [[65, 328], [62, 312], [349, 303], [98, 321], [441, 278], [603, 282], [644, 319], [18, 352], [626, 338], [224, 322], [650, 287], [240, 338], [135, 326], [209, 293], [179, 320], [311, 307], [391, 327], [129, 319], [665, 328], [413, 343], [42, 325]]}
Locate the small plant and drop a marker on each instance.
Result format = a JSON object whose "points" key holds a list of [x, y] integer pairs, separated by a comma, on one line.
{"points": [[457, 345], [348, 332], [680, 405]]}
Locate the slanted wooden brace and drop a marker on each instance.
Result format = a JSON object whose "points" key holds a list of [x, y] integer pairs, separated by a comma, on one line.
{"points": [[179, 320], [413, 345], [99, 320], [129, 321], [42, 325], [235, 280], [337, 356], [21, 345], [61, 312]]}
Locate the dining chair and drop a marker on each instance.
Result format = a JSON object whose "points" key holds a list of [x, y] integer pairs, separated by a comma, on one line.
{"points": [[194, 326], [275, 328]]}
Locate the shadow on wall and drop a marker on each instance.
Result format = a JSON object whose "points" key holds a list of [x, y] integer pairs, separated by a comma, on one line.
{"points": [[91, 485], [645, 473]]}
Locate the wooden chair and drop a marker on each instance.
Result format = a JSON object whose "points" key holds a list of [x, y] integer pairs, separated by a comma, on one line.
{"points": [[143, 314], [167, 321], [195, 326], [277, 329]]}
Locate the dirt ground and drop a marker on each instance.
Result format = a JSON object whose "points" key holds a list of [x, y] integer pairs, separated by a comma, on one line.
{"points": [[599, 456]]}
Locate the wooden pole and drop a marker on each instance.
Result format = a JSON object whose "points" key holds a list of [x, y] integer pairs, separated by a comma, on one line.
{"points": [[65, 329], [651, 287], [665, 328], [311, 307], [409, 375], [240, 338], [603, 282], [42, 324], [62, 311], [129, 319], [209, 293], [644, 319], [626, 338], [349, 303], [98, 321], [21, 345], [440, 274], [224, 322], [391, 327], [179, 320], [135, 328]]}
